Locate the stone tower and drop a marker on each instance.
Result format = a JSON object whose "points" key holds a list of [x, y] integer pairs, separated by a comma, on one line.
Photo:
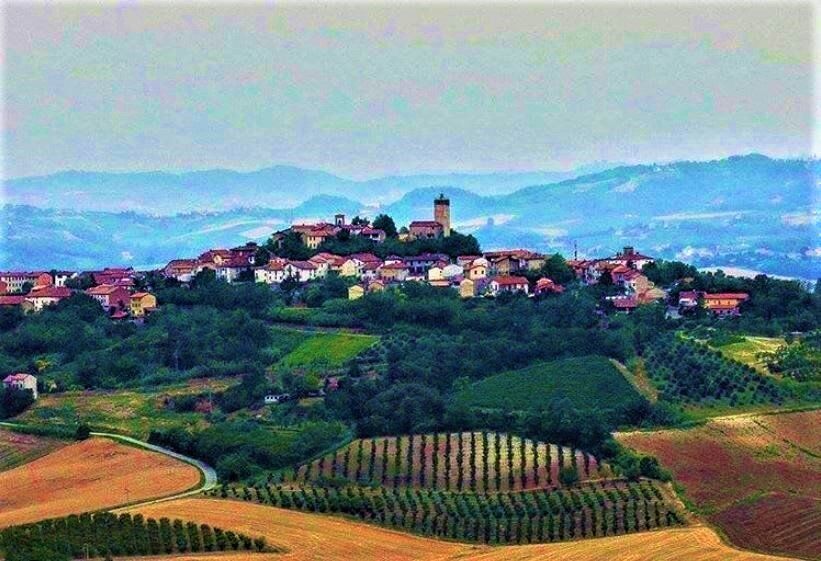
{"points": [[441, 213]]}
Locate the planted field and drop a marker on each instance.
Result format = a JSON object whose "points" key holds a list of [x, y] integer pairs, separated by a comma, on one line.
{"points": [[606, 508], [327, 350], [104, 534], [729, 463], [315, 536], [18, 448], [89, 475], [586, 381], [466, 461], [130, 412], [697, 376]]}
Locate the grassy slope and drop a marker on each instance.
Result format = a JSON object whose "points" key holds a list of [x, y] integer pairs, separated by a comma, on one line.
{"points": [[746, 352], [130, 412], [313, 536], [586, 381], [327, 350]]}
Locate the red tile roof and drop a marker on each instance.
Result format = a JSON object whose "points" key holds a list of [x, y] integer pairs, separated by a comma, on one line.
{"points": [[50, 292], [12, 300], [509, 280], [18, 377], [104, 289], [727, 296]]}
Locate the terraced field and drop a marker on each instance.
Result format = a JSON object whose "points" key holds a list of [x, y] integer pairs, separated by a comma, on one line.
{"points": [[468, 461], [17, 448], [750, 475], [315, 536]]}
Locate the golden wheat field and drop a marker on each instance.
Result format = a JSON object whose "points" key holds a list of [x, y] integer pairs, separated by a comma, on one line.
{"points": [[310, 537], [89, 475]]}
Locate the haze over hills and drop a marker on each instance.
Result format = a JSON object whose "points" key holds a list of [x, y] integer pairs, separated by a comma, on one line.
{"points": [[747, 211], [273, 187]]}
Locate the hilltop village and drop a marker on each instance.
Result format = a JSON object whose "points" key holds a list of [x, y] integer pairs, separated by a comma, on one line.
{"points": [[308, 252]]}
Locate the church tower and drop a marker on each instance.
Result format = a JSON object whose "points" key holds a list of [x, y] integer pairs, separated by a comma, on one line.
{"points": [[441, 213]]}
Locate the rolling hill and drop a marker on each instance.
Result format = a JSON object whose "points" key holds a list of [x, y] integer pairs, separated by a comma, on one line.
{"points": [[748, 212]]}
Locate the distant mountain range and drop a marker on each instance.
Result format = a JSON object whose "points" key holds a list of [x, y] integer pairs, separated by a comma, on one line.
{"points": [[748, 212], [274, 187]]}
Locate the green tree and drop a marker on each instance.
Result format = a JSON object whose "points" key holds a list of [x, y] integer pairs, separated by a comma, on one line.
{"points": [[385, 223]]}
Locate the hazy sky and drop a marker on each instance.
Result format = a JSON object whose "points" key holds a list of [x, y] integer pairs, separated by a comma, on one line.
{"points": [[369, 89]]}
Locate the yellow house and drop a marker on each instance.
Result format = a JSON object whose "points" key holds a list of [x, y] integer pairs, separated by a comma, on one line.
{"points": [[142, 302], [467, 288], [355, 292], [351, 268], [477, 271]]}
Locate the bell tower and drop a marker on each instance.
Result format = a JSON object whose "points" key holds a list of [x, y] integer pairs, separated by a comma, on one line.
{"points": [[441, 213]]}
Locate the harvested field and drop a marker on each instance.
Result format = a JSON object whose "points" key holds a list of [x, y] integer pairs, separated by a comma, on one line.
{"points": [[306, 536], [89, 475], [314, 537], [739, 468], [18, 448], [776, 523]]}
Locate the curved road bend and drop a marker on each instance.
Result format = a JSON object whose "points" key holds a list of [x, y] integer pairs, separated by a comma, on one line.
{"points": [[209, 475]]}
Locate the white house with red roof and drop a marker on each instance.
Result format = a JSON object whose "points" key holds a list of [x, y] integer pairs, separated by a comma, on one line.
{"points": [[508, 283], [273, 272], [21, 381], [41, 297], [630, 258], [111, 297]]}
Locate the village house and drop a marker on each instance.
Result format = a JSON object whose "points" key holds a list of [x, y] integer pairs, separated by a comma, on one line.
{"points": [[507, 261], [629, 257], [424, 230], [508, 283], [142, 303], [725, 303], [43, 296], [394, 271], [60, 277], [418, 265], [314, 235], [15, 280], [546, 286], [625, 304], [21, 381], [356, 292], [232, 268], [301, 271], [122, 276], [465, 260], [272, 272], [477, 269], [182, 270], [111, 297], [688, 299]]}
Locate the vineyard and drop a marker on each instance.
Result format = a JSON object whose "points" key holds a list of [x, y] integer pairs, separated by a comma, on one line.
{"points": [[17, 449], [694, 374], [583, 380], [106, 534], [604, 508], [468, 461]]}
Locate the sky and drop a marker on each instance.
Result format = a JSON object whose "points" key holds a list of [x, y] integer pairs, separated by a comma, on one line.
{"points": [[369, 89]]}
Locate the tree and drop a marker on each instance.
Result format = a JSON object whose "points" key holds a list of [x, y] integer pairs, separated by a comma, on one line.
{"points": [[386, 224], [359, 221], [262, 256], [556, 269], [83, 432]]}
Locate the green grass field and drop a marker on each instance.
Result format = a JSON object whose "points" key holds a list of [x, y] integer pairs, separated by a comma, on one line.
{"points": [[327, 350], [591, 381], [746, 352], [130, 412]]}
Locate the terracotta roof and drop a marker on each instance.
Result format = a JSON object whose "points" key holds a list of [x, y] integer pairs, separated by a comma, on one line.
{"points": [[18, 377], [50, 292], [509, 280], [397, 265], [425, 224], [104, 289], [12, 300], [625, 302], [140, 295], [306, 265], [727, 296], [365, 257]]}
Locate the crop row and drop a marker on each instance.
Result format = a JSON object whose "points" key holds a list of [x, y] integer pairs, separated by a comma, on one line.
{"points": [[691, 373], [466, 461], [592, 510], [109, 535]]}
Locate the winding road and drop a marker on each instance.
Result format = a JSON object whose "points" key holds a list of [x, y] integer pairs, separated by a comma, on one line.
{"points": [[208, 476]]}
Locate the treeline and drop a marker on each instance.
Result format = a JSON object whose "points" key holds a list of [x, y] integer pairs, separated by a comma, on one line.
{"points": [[107, 535], [76, 345], [240, 449]]}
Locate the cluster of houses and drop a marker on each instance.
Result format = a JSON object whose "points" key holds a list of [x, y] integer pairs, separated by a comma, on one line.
{"points": [[113, 288], [489, 274]]}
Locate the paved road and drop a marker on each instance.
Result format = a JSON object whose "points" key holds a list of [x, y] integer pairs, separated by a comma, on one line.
{"points": [[209, 476]]}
